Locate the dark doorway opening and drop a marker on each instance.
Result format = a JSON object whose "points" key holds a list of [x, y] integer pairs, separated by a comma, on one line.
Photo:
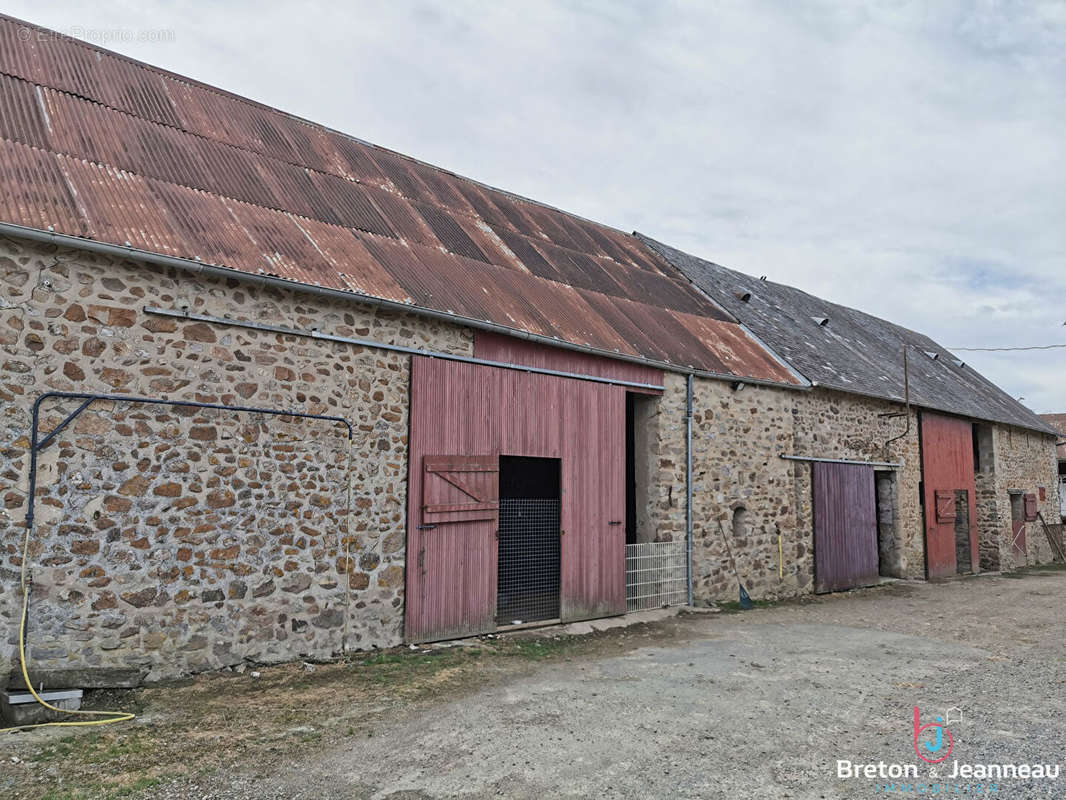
{"points": [[1017, 520], [640, 430], [888, 552], [529, 540], [963, 563], [631, 471]]}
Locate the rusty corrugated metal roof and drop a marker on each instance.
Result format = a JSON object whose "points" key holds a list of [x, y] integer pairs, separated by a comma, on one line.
{"points": [[96, 145]]}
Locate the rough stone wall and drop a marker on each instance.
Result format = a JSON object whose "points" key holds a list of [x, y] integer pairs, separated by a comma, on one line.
{"points": [[738, 437], [831, 424], [182, 540], [1024, 461], [664, 434]]}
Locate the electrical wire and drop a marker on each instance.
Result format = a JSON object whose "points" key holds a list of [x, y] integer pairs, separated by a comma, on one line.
{"points": [[1007, 349]]}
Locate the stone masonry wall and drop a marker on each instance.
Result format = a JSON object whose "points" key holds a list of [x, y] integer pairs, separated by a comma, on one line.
{"points": [[738, 437], [177, 540], [831, 424], [1025, 461]]}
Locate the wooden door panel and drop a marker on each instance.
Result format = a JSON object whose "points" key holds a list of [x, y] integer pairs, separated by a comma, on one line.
{"points": [[845, 527]]}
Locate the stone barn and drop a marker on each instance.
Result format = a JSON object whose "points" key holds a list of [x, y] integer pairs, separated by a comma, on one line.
{"points": [[934, 470], [271, 392]]}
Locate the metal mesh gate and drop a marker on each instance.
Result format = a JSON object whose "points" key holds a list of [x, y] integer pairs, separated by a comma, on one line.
{"points": [[528, 584], [656, 575]]}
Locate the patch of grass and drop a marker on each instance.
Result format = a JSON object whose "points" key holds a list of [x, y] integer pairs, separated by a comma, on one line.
{"points": [[734, 605], [100, 791], [539, 649]]}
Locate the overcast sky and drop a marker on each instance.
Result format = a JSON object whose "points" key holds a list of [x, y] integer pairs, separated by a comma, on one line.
{"points": [[905, 158]]}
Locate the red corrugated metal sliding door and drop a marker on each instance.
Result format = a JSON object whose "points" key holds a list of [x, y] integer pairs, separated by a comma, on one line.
{"points": [[463, 418], [948, 479], [845, 527]]}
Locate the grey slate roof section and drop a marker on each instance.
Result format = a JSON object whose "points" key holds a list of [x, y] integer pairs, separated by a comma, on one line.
{"points": [[854, 352]]}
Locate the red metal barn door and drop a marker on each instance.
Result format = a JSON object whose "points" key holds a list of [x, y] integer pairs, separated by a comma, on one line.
{"points": [[463, 417], [594, 502], [947, 467], [452, 505], [845, 527]]}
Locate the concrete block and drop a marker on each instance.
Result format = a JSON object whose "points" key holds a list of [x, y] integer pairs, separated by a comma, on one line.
{"points": [[20, 708]]}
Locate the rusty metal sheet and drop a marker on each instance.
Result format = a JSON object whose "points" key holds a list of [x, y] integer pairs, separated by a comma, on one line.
{"points": [[738, 352], [350, 204], [206, 226], [580, 272], [42, 198], [513, 212], [121, 217], [639, 341], [402, 218], [482, 205], [399, 174], [528, 255], [20, 115], [451, 235], [163, 163]]}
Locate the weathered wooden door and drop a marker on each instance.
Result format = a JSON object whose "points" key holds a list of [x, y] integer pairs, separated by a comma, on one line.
{"points": [[594, 502], [845, 527], [947, 467], [452, 547], [463, 417]]}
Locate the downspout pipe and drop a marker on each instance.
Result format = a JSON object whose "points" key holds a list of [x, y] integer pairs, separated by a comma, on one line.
{"points": [[907, 401], [688, 482], [228, 273]]}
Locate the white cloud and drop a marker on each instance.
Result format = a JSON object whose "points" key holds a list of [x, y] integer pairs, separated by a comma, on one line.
{"points": [[902, 157]]}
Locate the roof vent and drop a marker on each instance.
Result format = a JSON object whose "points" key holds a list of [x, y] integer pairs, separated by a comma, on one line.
{"points": [[823, 321], [742, 296], [958, 362], [932, 355], [763, 277]]}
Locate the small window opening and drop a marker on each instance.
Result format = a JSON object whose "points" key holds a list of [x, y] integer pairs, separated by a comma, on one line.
{"points": [[740, 524]]}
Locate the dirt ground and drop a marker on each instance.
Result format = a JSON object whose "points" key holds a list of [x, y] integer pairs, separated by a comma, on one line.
{"points": [[758, 704]]}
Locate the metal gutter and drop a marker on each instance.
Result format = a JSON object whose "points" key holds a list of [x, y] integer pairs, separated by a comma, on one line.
{"points": [[414, 351], [199, 268], [886, 464]]}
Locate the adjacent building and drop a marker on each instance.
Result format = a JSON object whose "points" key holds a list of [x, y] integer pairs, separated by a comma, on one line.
{"points": [[1058, 422], [269, 391]]}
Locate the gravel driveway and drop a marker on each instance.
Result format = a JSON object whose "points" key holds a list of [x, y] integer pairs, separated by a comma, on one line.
{"points": [[761, 704]]}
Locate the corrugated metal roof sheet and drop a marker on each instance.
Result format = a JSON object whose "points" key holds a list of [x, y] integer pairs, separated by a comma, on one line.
{"points": [[100, 146], [854, 352]]}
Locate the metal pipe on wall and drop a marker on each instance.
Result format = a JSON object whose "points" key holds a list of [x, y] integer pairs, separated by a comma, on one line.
{"points": [[688, 482], [395, 348]]}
